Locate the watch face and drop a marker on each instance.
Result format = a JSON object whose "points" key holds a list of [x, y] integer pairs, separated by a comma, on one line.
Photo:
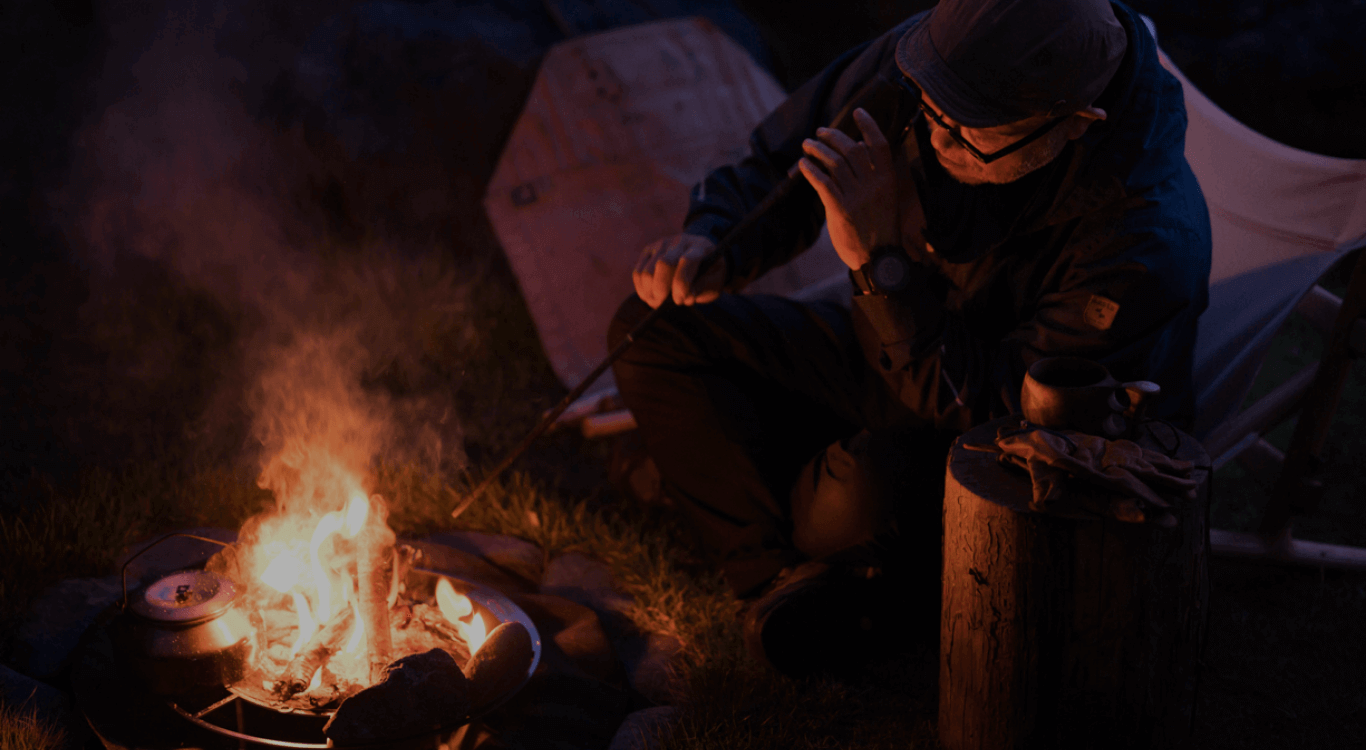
{"points": [[890, 272]]}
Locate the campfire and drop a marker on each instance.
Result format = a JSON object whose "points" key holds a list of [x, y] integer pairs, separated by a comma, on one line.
{"points": [[328, 601]]}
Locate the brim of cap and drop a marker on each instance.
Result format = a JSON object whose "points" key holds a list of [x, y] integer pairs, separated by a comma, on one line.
{"points": [[920, 61]]}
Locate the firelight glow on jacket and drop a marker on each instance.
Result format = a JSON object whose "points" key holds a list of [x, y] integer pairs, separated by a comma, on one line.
{"points": [[1110, 259]]}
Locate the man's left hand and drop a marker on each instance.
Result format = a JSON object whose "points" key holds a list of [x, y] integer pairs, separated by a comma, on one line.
{"points": [[856, 183]]}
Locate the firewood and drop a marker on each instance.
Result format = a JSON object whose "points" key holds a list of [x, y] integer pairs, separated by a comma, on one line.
{"points": [[420, 694], [324, 643], [405, 557], [500, 664], [373, 576], [431, 618]]}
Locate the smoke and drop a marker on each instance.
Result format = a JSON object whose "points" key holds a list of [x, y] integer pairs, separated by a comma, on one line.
{"points": [[331, 327]]}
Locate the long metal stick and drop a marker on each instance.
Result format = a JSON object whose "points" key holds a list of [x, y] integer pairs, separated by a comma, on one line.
{"points": [[868, 95], [777, 194]]}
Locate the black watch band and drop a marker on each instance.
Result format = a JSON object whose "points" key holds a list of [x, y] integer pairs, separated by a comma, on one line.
{"points": [[888, 271]]}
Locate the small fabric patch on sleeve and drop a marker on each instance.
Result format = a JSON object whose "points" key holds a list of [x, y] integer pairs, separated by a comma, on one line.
{"points": [[1100, 312]]}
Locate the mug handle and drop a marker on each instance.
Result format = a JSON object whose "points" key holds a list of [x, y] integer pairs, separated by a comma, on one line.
{"points": [[1140, 393]]}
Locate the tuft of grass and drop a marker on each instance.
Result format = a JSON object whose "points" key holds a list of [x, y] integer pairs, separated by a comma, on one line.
{"points": [[23, 729]]}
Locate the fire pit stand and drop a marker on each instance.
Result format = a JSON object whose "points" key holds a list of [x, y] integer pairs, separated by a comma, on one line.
{"points": [[125, 714]]}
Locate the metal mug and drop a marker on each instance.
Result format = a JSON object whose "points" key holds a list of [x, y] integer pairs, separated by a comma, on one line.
{"points": [[1074, 393]]}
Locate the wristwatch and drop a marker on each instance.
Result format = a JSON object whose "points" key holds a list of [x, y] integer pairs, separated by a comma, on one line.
{"points": [[887, 272]]}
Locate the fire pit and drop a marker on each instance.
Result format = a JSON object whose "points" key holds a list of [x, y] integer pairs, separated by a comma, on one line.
{"points": [[234, 655]]}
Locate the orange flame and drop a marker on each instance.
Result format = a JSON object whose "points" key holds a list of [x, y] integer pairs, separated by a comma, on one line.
{"points": [[455, 607]]}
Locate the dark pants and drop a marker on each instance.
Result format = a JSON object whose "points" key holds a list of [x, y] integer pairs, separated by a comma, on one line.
{"points": [[779, 440]]}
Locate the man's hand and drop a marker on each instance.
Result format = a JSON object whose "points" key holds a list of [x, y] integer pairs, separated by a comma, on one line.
{"points": [[857, 186], [668, 267]]}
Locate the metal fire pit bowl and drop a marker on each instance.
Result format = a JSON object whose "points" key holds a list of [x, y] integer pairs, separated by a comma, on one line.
{"points": [[421, 584], [125, 712]]}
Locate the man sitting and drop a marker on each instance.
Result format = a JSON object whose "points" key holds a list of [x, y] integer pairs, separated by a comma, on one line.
{"points": [[1038, 203]]}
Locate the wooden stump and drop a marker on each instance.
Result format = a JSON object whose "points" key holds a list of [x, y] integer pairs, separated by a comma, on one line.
{"points": [[1060, 632]]}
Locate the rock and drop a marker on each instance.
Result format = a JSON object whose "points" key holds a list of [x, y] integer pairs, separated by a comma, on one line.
{"points": [[647, 657], [586, 581], [47, 703], [63, 612], [499, 665], [514, 555], [649, 662], [577, 632], [420, 694], [443, 558], [637, 732]]}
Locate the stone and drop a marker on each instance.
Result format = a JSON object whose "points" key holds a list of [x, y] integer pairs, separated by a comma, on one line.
{"points": [[46, 702], [508, 552], [638, 730], [500, 665], [647, 657], [46, 638], [577, 632], [443, 558], [649, 661], [586, 581], [420, 694]]}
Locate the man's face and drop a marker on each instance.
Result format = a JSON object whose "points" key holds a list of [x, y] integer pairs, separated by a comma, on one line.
{"points": [[962, 166]]}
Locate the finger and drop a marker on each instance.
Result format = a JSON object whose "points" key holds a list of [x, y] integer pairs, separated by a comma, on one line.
{"points": [[838, 139], [682, 281], [824, 156], [824, 185], [879, 151], [854, 154], [645, 263]]}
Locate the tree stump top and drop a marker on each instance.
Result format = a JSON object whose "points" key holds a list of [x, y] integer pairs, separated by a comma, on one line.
{"points": [[983, 475]]}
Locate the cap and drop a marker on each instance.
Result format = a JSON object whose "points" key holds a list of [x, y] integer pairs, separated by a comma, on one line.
{"points": [[990, 62]]}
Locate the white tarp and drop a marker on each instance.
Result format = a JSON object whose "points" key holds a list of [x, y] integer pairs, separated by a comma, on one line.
{"points": [[1280, 218], [617, 129]]}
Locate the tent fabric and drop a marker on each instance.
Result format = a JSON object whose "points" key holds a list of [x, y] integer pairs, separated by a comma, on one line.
{"points": [[1280, 218], [618, 127]]}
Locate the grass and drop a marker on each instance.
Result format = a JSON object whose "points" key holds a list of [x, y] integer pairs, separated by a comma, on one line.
{"points": [[22, 729], [1281, 668]]}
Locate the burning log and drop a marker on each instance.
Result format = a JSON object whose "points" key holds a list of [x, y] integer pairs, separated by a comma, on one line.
{"points": [[419, 694], [405, 557], [326, 642], [375, 570]]}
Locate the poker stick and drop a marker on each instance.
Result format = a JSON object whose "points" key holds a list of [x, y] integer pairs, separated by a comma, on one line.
{"points": [[843, 121]]}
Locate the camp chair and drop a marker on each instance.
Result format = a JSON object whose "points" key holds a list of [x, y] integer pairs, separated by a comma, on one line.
{"points": [[1281, 218]]}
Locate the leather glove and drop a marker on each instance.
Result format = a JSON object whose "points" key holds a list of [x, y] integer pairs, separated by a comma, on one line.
{"points": [[1064, 464]]}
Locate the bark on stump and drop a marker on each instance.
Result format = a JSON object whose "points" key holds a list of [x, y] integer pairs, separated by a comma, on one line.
{"points": [[1060, 632]]}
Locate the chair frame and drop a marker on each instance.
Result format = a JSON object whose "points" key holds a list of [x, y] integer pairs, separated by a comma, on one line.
{"points": [[1314, 393]]}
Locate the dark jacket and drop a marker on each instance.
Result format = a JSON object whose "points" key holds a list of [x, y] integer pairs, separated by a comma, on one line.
{"points": [[1121, 222]]}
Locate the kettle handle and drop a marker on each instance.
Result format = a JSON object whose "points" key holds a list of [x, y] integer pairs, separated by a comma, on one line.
{"points": [[123, 604]]}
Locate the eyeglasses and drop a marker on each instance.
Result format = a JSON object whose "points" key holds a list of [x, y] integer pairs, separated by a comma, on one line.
{"points": [[960, 140]]}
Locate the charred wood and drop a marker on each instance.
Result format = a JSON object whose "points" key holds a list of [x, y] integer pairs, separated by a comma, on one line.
{"points": [[324, 643]]}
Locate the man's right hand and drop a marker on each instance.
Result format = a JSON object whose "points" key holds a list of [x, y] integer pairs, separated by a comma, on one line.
{"points": [[668, 268]]}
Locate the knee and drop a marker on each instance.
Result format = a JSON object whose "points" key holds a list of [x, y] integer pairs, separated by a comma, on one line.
{"points": [[628, 316]]}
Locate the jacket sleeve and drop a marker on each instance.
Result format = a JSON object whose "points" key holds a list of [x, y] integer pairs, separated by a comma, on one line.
{"points": [[728, 193], [1129, 301]]}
